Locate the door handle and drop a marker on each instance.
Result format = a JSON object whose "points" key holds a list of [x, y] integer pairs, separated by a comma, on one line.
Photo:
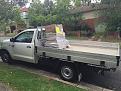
{"points": [[11, 45], [28, 46]]}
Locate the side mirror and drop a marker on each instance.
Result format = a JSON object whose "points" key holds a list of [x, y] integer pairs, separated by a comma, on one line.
{"points": [[12, 40]]}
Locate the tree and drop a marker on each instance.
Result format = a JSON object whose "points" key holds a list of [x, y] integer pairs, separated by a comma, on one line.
{"points": [[81, 2], [37, 14], [112, 14], [8, 12], [48, 5], [49, 13]]}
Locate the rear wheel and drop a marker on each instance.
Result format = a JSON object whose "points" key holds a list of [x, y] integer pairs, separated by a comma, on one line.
{"points": [[68, 72], [6, 57]]}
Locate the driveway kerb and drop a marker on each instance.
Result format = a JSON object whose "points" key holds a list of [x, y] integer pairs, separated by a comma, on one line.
{"points": [[49, 75]]}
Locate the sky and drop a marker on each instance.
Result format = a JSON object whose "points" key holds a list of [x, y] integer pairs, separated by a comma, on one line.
{"points": [[42, 1], [92, 1]]}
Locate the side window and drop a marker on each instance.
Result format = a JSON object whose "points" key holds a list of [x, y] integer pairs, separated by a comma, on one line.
{"points": [[25, 37]]}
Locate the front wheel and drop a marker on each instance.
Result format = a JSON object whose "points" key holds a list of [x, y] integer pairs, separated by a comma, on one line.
{"points": [[68, 72], [6, 57]]}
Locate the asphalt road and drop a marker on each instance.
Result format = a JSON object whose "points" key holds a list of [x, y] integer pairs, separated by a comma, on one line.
{"points": [[111, 80]]}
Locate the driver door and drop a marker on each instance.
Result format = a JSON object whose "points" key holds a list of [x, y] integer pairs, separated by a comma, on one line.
{"points": [[24, 47]]}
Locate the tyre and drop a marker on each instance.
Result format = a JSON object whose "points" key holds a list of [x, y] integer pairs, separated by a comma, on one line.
{"points": [[67, 72], [6, 58]]}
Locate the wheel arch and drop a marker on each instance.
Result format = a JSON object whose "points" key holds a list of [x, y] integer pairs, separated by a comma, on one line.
{"points": [[77, 65], [3, 50]]}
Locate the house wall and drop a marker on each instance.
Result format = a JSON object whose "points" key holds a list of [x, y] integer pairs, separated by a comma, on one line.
{"points": [[91, 23], [91, 18]]}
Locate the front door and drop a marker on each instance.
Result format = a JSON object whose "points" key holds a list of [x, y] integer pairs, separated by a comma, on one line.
{"points": [[24, 47]]}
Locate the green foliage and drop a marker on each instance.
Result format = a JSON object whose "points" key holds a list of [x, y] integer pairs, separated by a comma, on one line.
{"points": [[8, 12], [81, 2], [53, 12], [112, 14], [5, 10], [16, 15], [2, 25], [62, 7]]}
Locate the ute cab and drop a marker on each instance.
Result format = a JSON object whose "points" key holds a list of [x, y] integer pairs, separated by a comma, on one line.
{"points": [[21, 46]]}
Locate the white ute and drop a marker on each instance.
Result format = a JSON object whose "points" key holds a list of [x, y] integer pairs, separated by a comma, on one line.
{"points": [[34, 46]]}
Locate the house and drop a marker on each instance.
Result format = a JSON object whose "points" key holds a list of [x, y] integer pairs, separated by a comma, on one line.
{"points": [[91, 16]]}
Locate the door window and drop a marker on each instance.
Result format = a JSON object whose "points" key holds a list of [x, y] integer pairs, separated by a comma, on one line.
{"points": [[25, 37]]}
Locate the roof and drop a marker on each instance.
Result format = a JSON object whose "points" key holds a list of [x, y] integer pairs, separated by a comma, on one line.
{"points": [[86, 8]]}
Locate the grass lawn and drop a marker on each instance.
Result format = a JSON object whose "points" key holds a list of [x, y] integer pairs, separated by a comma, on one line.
{"points": [[20, 80]]}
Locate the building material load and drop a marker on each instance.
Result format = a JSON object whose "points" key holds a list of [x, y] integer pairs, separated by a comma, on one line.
{"points": [[55, 38]]}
